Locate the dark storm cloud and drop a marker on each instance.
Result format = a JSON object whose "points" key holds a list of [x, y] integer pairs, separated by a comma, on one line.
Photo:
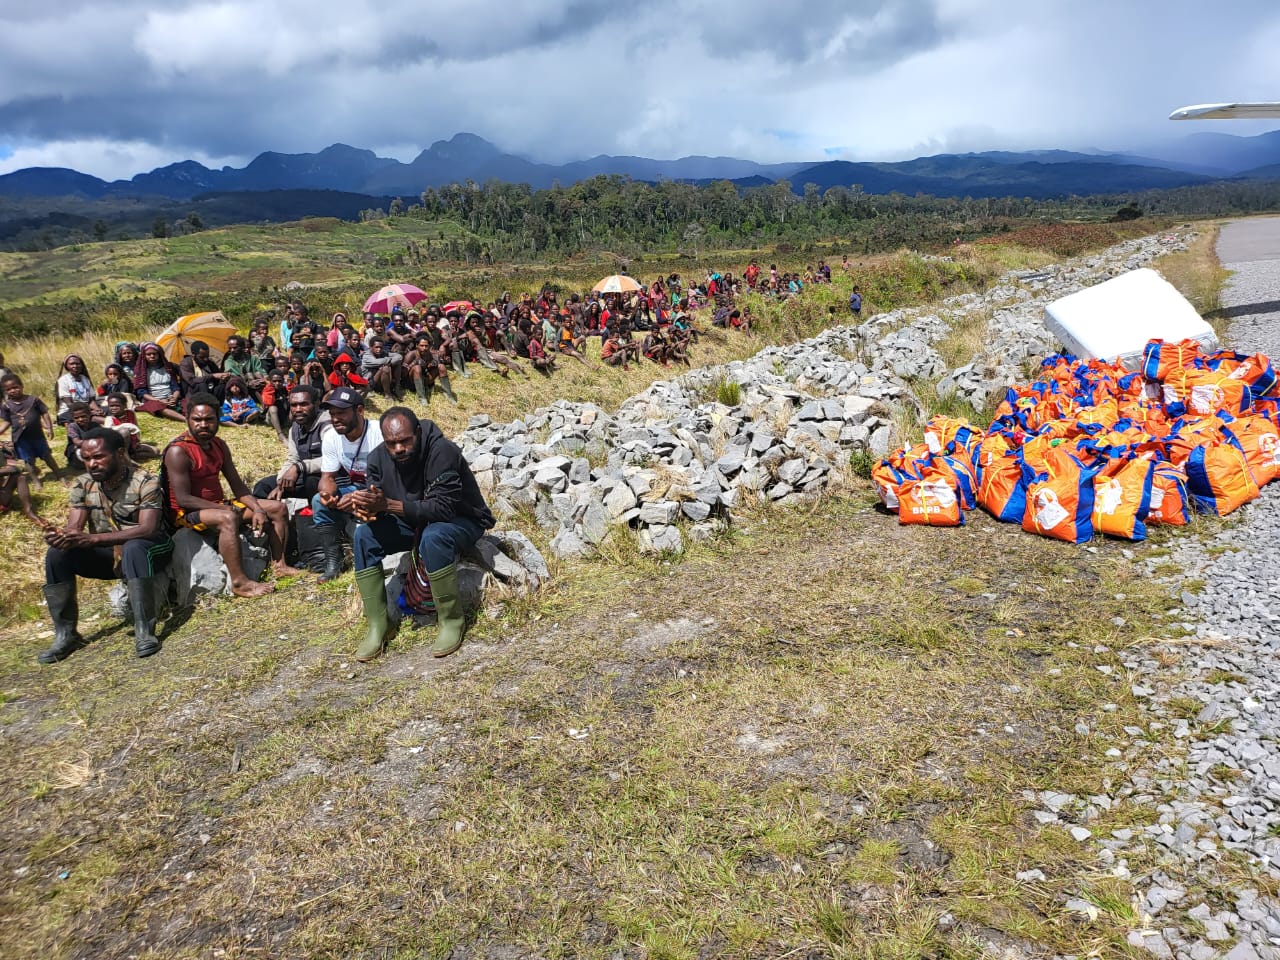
{"points": [[120, 87], [852, 35]]}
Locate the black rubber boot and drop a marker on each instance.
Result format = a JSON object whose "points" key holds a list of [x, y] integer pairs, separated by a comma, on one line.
{"points": [[420, 387], [327, 534], [447, 387], [143, 601], [65, 614], [459, 364]]}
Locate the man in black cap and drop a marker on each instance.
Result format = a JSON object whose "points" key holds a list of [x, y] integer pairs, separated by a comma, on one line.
{"points": [[344, 455], [421, 491]]}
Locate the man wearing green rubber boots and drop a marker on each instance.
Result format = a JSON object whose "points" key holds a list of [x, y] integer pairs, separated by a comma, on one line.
{"points": [[421, 490]]}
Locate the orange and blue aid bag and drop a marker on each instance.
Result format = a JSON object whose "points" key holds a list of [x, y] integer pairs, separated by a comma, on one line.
{"points": [[1219, 478], [930, 501], [1060, 500], [1170, 499], [1159, 359], [1259, 441], [1122, 498]]}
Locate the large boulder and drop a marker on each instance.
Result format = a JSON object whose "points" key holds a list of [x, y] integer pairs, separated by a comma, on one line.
{"points": [[196, 568]]}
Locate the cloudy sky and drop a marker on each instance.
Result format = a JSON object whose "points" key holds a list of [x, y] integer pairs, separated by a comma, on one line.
{"points": [[115, 87]]}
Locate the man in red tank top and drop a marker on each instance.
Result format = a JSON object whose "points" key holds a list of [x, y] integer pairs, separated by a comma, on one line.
{"points": [[195, 464]]}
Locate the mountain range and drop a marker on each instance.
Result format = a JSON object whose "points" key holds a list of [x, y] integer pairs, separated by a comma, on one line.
{"points": [[1038, 174]]}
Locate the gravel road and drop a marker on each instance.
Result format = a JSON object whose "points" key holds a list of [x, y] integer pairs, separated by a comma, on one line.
{"points": [[1222, 801]]}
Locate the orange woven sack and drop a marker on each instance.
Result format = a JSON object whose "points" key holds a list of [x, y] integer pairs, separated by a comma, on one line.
{"points": [[1122, 498], [1206, 392], [1159, 359], [941, 432], [1259, 440], [1170, 501], [1190, 434], [1219, 479], [1060, 501], [930, 502], [1001, 490]]}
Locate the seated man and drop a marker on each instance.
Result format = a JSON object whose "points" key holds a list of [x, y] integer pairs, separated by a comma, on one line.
{"points": [[195, 464], [421, 490], [241, 362], [199, 372], [382, 369], [300, 475], [123, 507], [344, 454]]}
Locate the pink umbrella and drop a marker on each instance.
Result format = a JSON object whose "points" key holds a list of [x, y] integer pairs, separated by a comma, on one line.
{"points": [[403, 295], [460, 305]]}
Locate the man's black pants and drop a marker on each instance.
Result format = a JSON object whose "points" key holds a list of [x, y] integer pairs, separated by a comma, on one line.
{"points": [[141, 558]]}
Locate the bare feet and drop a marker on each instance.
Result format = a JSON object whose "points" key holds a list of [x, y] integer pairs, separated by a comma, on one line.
{"points": [[282, 569], [252, 588]]}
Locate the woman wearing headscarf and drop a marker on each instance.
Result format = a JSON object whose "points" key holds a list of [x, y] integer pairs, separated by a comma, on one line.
{"points": [[126, 357], [157, 384], [74, 386], [335, 339]]}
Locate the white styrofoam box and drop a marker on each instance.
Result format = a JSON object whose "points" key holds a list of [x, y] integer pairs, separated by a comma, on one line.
{"points": [[1114, 319]]}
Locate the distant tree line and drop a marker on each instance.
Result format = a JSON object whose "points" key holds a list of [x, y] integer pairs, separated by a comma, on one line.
{"points": [[511, 221]]}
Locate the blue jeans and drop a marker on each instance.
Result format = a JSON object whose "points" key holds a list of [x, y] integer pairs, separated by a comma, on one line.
{"points": [[323, 516], [440, 543]]}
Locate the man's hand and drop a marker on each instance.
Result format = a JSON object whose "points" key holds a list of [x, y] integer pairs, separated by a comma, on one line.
{"points": [[68, 540], [369, 503], [259, 521], [331, 499]]}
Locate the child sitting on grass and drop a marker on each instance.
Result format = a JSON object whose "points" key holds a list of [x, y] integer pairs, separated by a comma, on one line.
{"points": [[81, 422], [239, 409], [125, 422], [26, 414]]}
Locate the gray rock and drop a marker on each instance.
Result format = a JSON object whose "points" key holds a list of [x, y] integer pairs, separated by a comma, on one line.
{"points": [[791, 471], [595, 522], [619, 500], [731, 462], [196, 567], [661, 539], [695, 509], [880, 441], [516, 545], [660, 513], [567, 544]]}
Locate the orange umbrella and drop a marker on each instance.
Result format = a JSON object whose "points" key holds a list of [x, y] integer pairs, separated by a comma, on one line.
{"points": [[617, 283], [210, 327]]}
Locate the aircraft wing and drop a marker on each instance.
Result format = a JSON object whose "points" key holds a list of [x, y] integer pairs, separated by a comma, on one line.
{"points": [[1228, 111]]}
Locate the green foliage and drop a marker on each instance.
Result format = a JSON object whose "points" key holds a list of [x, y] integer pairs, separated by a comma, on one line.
{"points": [[862, 461], [729, 393]]}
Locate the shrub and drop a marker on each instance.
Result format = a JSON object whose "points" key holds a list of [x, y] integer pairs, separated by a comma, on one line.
{"points": [[862, 461], [729, 393]]}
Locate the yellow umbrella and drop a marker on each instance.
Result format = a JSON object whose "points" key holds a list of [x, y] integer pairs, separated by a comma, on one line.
{"points": [[617, 283], [211, 327]]}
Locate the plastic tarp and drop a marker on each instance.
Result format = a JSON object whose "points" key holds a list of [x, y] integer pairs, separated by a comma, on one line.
{"points": [[1114, 320]]}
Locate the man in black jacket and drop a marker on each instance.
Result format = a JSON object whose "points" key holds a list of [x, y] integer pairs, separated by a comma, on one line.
{"points": [[420, 489]]}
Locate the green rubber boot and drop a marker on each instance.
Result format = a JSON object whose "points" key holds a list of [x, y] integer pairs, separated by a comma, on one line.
{"points": [[374, 594], [420, 388], [449, 613]]}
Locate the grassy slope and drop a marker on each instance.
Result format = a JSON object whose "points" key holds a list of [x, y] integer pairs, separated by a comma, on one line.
{"points": [[795, 740]]}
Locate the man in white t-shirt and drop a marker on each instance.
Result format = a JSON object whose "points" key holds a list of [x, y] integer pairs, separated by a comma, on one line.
{"points": [[344, 455]]}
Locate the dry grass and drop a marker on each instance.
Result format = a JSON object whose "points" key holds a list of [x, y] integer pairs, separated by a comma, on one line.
{"points": [[1199, 276], [752, 751]]}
